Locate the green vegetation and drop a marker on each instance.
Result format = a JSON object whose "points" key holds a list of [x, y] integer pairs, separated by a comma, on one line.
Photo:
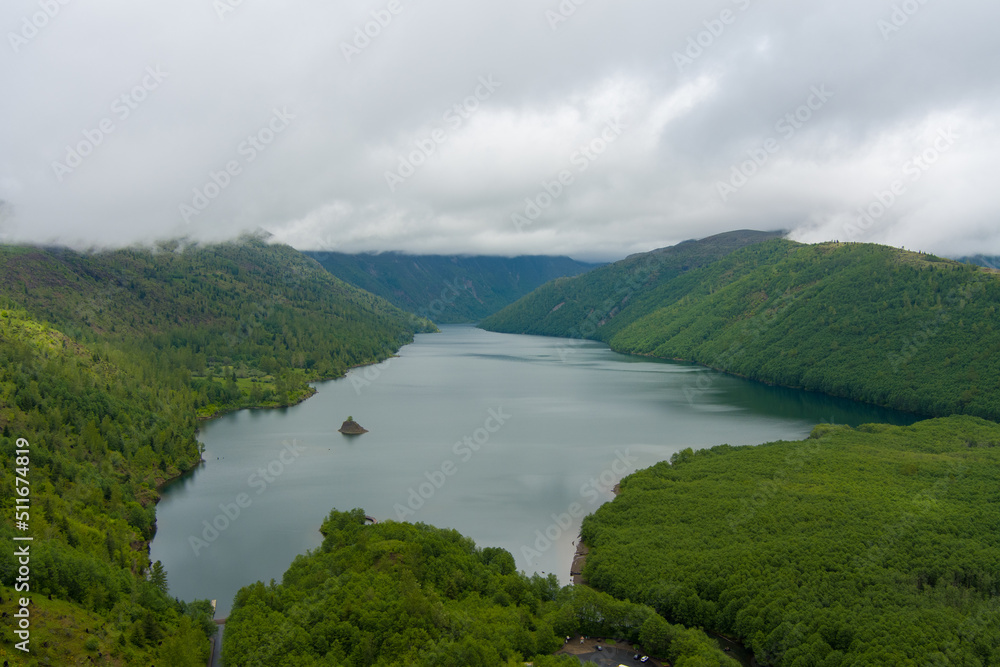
{"points": [[879, 545], [875, 546], [100, 442], [404, 594], [448, 289], [198, 314], [870, 323], [595, 304], [106, 359]]}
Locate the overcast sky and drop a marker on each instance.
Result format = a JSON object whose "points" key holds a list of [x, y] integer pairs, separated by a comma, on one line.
{"points": [[593, 129]]}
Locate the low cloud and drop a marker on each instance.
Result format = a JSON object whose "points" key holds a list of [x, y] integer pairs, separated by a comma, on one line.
{"points": [[494, 103]]}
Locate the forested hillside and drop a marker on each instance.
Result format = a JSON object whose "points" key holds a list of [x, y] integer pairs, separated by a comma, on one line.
{"points": [[874, 546], [100, 440], [241, 323], [594, 304], [871, 323], [448, 289], [405, 594], [107, 358]]}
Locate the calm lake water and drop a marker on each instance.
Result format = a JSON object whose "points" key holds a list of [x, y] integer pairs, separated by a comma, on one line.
{"points": [[507, 439]]}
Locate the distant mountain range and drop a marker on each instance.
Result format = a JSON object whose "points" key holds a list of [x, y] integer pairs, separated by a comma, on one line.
{"points": [[872, 323], [448, 289], [990, 262]]}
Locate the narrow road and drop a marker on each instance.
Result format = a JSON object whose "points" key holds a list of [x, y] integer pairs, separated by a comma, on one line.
{"points": [[216, 659]]}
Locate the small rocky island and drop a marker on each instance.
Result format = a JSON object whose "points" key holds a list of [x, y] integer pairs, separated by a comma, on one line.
{"points": [[351, 427]]}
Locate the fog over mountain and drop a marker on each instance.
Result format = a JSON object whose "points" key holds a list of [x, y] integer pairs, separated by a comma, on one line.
{"points": [[580, 128]]}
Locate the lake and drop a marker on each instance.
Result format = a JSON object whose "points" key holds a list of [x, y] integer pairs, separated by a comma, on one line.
{"points": [[508, 439]]}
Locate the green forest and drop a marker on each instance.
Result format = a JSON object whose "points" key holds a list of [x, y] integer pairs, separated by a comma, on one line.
{"points": [[448, 289], [410, 594], [595, 303], [106, 361], [876, 545], [871, 546], [871, 323]]}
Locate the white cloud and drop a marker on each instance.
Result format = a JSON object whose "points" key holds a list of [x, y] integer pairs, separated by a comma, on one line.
{"points": [[322, 183]]}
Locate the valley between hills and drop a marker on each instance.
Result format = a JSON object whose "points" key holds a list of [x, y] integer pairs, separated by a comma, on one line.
{"points": [[874, 545]]}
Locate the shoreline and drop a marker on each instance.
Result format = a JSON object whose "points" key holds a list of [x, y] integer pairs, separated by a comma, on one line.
{"points": [[582, 550], [919, 416], [308, 393], [160, 484]]}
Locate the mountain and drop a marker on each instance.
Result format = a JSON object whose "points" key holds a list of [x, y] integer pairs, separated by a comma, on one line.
{"points": [[595, 304], [247, 309], [106, 360], [448, 289], [868, 546], [872, 323], [988, 261]]}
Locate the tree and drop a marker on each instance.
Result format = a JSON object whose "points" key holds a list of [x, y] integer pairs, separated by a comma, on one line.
{"points": [[656, 635], [185, 647], [158, 577]]}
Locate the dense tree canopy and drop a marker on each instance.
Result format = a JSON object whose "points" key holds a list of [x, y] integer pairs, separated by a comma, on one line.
{"points": [[874, 546], [100, 441], [404, 594]]}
